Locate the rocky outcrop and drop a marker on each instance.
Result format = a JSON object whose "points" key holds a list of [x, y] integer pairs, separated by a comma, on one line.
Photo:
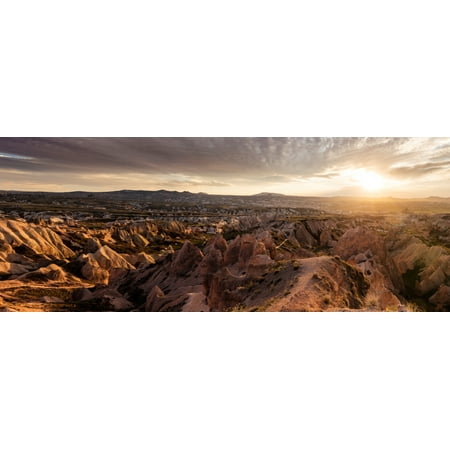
{"points": [[51, 273], [397, 263], [139, 241], [143, 233], [102, 299], [423, 269], [242, 274], [92, 245], [366, 250], [8, 269], [359, 240], [92, 271], [186, 259], [441, 299], [275, 265], [324, 283], [326, 239], [141, 259], [13, 264], [304, 237], [153, 299], [32, 240], [248, 250], [96, 266], [109, 259], [5, 249]]}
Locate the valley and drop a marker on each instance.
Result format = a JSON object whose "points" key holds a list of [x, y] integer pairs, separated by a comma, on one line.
{"points": [[178, 251]]}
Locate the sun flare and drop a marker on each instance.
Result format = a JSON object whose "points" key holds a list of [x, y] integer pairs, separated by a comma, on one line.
{"points": [[372, 182], [368, 180]]}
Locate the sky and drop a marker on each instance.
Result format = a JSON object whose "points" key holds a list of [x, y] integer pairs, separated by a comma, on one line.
{"points": [[398, 167]]}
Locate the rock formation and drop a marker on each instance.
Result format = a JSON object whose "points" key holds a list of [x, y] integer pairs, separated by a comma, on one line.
{"points": [[273, 264], [33, 240]]}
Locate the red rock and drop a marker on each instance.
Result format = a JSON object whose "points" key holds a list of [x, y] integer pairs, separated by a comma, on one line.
{"points": [[186, 259], [442, 297], [153, 297], [303, 236]]}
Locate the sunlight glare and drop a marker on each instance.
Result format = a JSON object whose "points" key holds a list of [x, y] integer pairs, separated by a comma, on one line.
{"points": [[369, 181]]}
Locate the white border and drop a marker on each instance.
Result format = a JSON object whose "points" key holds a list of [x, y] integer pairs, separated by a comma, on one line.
{"points": [[240, 68]]}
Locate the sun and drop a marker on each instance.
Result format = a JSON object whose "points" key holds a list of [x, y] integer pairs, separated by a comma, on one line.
{"points": [[372, 182], [368, 180]]}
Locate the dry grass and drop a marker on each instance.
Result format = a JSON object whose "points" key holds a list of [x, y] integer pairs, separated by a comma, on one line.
{"points": [[413, 307]]}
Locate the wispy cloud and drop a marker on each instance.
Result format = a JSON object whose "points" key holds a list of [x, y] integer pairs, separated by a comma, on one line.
{"points": [[218, 163], [419, 170], [12, 156]]}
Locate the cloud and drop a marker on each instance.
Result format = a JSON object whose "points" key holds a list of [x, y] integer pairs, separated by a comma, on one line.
{"points": [[264, 156], [191, 183], [275, 179], [13, 157], [216, 162], [419, 170]]}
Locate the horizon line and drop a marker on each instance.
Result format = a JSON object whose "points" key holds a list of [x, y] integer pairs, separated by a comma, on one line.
{"points": [[227, 195]]}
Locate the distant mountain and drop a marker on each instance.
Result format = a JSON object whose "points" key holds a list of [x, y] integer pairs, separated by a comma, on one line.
{"points": [[162, 197], [268, 195], [164, 194]]}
